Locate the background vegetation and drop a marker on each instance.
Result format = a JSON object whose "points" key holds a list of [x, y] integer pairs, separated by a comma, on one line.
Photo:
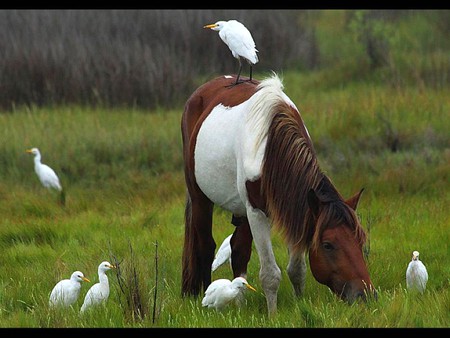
{"points": [[101, 94], [150, 58]]}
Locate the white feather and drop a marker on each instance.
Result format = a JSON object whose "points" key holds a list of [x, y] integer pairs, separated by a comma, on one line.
{"points": [[222, 291], [66, 291], [99, 292], [223, 255], [416, 274]]}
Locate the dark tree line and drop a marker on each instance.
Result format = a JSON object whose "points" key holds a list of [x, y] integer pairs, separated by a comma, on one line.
{"points": [[143, 58]]}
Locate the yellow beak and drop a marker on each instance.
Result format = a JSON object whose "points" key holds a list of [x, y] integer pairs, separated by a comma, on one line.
{"points": [[250, 287], [210, 26], [85, 279]]}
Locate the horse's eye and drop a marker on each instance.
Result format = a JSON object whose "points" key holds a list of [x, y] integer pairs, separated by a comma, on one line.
{"points": [[327, 246]]}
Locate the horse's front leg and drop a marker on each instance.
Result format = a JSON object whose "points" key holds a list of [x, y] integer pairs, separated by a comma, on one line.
{"points": [[269, 273], [296, 270]]}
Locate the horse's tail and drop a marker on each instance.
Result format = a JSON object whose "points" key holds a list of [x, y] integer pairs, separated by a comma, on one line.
{"points": [[188, 249]]}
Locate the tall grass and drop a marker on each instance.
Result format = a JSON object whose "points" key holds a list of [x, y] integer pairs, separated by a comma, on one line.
{"points": [[122, 170], [153, 58]]}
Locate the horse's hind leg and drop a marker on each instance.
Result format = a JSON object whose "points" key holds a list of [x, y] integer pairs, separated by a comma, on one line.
{"points": [[241, 246], [296, 270], [199, 245]]}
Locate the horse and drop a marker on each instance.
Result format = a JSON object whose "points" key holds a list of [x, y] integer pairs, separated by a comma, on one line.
{"points": [[247, 150]]}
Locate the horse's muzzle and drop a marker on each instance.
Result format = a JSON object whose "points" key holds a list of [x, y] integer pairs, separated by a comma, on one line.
{"points": [[366, 295], [354, 292]]}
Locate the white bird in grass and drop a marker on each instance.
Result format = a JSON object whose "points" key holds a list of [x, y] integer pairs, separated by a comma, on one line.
{"points": [[222, 291], [240, 41], [46, 175], [66, 291], [416, 274], [99, 292], [223, 255]]}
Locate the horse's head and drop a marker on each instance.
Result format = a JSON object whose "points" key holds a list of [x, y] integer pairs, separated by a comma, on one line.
{"points": [[336, 257]]}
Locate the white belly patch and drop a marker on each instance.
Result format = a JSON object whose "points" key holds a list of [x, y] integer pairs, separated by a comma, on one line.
{"points": [[215, 158]]}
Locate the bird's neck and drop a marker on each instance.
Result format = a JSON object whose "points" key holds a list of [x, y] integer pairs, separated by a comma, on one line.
{"points": [[103, 278], [37, 159]]}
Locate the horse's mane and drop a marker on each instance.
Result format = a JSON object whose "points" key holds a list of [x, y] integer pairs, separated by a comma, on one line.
{"points": [[334, 211], [290, 169], [269, 94]]}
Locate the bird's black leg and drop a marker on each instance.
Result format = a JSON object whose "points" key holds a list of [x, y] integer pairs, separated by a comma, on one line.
{"points": [[250, 78], [237, 78], [239, 72], [251, 69]]}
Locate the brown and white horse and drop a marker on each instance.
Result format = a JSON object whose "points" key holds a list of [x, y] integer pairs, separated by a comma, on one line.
{"points": [[247, 150]]}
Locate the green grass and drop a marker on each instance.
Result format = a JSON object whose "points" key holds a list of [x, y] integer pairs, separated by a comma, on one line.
{"points": [[122, 170]]}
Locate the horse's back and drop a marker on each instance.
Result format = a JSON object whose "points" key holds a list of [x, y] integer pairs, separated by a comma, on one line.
{"points": [[209, 95]]}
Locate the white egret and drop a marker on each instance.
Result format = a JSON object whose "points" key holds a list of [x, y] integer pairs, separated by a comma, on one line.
{"points": [[66, 291], [99, 292], [222, 291], [416, 274], [46, 175], [223, 255], [239, 40]]}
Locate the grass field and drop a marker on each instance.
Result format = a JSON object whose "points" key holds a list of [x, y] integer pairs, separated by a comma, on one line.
{"points": [[122, 170]]}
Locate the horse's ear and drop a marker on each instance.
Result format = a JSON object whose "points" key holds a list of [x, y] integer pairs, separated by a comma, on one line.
{"points": [[352, 202], [313, 202]]}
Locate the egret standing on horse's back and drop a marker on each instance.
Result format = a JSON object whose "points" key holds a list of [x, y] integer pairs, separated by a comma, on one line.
{"points": [[240, 41]]}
